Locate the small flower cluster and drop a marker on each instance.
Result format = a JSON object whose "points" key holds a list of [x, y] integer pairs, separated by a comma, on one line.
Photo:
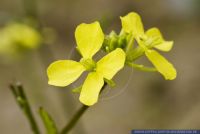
{"points": [[120, 51]]}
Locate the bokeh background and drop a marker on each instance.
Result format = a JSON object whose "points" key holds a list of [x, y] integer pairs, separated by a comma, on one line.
{"points": [[140, 100]]}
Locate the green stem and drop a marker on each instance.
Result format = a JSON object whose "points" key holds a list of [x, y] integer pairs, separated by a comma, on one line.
{"points": [[141, 67], [130, 44], [21, 99], [32, 121], [77, 116], [136, 53], [74, 119], [30, 7]]}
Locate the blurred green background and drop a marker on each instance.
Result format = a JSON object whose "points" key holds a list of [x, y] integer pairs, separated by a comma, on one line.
{"points": [[140, 100]]}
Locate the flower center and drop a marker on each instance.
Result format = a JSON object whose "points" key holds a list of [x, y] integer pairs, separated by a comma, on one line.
{"points": [[89, 64]]}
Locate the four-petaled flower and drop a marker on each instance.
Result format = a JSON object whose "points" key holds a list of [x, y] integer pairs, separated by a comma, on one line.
{"points": [[132, 24], [89, 39]]}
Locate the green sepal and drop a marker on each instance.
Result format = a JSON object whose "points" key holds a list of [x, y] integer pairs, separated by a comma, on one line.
{"points": [[77, 89], [111, 83], [113, 41], [130, 43], [110, 42], [135, 53], [122, 41], [89, 64]]}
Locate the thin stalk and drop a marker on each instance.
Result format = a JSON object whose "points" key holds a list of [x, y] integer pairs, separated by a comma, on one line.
{"points": [[74, 119], [46, 55], [135, 54], [130, 44], [21, 99], [77, 116], [141, 67]]}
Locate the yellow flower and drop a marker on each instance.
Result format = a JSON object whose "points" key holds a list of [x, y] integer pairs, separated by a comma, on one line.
{"points": [[89, 38], [132, 24]]}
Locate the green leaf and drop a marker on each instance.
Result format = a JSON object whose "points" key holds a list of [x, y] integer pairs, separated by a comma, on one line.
{"points": [[89, 38], [91, 89], [156, 40], [111, 83], [132, 23], [162, 65], [110, 64], [48, 122], [64, 72]]}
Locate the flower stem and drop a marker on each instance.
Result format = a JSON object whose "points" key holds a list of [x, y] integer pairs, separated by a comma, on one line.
{"points": [[21, 99], [130, 44], [77, 116], [75, 119], [141, 67]]}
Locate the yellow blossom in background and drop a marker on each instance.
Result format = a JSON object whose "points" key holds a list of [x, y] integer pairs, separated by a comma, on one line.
{"points": [[17, 36]]}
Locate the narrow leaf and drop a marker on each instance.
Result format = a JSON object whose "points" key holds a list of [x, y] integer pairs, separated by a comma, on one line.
{"points": [[48, 122]]}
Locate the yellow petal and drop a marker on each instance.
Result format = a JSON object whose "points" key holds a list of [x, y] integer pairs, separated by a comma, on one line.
{"points": [[132, 23], [162, 65], [91, 89], [64, 72], [110, 64], [154, 32], [89, 38], [159, 42], [165, 46]]}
